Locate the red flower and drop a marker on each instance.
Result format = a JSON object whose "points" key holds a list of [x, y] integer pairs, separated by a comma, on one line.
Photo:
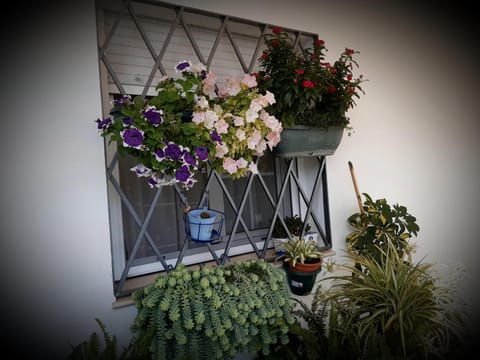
{"points": [[300, 71], [277, 29], [256, 75], [349, 77], [264, 55], [319, 42], [325, 64], [275, 42], [349, 51], [308, 84], [331, 89], [351, 89], [333, 70]]}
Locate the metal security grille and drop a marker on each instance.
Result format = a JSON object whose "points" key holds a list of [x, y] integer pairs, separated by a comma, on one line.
{"points": [[142, 41]]}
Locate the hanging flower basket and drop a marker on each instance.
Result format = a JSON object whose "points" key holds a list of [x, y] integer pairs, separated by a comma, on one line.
{"points": [[192, 123]]}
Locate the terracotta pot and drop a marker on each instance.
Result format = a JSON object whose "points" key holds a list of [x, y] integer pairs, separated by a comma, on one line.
{"points": [[306, 267]]}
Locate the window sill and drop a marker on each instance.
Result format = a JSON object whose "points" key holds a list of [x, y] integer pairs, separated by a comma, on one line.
{"points": [[142, 281]]}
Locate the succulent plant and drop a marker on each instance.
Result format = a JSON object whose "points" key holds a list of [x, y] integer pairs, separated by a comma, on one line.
{"points": [[214, 313]]}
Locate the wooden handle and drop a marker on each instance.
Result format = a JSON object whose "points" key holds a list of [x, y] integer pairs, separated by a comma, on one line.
{"points": [[355, 186]]}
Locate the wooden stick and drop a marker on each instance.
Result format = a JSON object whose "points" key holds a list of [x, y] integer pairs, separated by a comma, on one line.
{"points": [[357, 193]]}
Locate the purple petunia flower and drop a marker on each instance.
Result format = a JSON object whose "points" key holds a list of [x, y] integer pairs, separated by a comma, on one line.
{"points": [[127, 121], [153, 181], [153, 116], [132, 138], [173, 151], [203, 74], [103, 124], [182, 173], [215, 137], [201, 152], [141, 170], [159, 154], [183, 66], [189, 159], [125, 99]]}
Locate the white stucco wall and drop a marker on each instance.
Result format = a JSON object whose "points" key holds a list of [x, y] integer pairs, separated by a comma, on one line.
{"points": [[415, 143]]}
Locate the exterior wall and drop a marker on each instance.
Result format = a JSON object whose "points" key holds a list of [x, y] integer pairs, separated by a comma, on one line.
{"points": [[415, 143]]}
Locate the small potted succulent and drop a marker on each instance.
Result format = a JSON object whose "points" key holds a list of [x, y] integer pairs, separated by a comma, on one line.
{"points": [[203, 225], [302, 262]]}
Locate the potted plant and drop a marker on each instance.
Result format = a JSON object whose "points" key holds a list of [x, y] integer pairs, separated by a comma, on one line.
{"points": [[391, 309], [213, 313], [302, 262], [203, 225], [380, 224], [189, 123], [295, 226], [312, 95]]}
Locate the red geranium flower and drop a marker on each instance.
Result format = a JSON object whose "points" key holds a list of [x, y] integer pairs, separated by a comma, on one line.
{"points": [[300, 71], [277, 29], [349, 51], [331, 89], [308, 84]]}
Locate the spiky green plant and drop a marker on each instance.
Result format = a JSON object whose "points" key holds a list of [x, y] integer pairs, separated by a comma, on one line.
{"points": [[395, 309], [213, 313], [300, 250]]}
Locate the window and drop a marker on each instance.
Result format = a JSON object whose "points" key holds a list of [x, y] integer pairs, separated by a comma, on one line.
{"points": [[139, 42]]}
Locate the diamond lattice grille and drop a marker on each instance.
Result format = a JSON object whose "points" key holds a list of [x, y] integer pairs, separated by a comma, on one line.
{"points": [[142, 41]]}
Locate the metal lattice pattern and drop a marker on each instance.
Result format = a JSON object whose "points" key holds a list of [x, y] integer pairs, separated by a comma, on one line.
{"points": [[143, 36]]}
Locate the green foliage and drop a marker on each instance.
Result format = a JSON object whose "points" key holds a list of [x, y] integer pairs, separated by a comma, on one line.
{"points": [[294, 224], [214, 313], [380, 225], [308, 89], [300, 250], [90, 349], [394, 309]]}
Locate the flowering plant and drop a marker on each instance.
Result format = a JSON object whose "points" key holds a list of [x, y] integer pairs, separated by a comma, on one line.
{"points": [[191, 122], [308, 89]]}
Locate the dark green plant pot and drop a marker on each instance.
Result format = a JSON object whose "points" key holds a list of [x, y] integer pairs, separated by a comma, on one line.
{"points": [[305, 141], [300, 283]]}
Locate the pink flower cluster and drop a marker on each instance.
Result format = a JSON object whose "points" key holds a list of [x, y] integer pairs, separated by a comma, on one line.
{"points": [[237, 122]]}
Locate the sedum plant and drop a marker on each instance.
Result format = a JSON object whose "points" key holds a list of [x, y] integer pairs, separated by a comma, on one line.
{"points": [[213, 313]]}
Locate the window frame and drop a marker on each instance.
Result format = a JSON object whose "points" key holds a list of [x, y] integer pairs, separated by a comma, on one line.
{"points": [[290, 203]]}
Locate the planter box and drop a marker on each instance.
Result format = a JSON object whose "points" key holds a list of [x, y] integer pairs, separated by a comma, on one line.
{"points": [[305, 141]]}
